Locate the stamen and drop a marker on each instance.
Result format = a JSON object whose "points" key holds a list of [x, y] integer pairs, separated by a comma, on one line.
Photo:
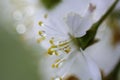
{"points": [[57, 47], [67, 49], [58, 63], [40, 23], [42, 36], [50, 28], [62, 46], [39, 40], [52, 50], [63, 43], [51, 41], [42, 33]]}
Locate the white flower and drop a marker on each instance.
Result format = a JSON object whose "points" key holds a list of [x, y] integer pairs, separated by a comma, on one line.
{"points": [[66, 56]]}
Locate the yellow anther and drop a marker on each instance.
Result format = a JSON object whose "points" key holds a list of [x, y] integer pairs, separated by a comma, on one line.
{"points": [[40, 39], [50, 51], [56, 53], [51, 41], [53, 46], [40, 32], [67, 46], [55, 65], [58, 60], [45, 16], [58, 63], [67, 50], [40, 23]]}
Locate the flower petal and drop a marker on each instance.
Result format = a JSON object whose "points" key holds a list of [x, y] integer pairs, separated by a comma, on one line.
{"points": [[95, 72], [73, 21], [80, 66], [79, 25]]}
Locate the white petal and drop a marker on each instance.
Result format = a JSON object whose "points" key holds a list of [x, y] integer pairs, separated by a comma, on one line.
{"points": [[73, 21], [81, 67], [78, 25], [95, 72]]}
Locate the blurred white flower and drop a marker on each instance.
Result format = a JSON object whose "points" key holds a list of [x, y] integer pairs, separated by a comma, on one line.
{"points": [[102, 53], [68, 58]]}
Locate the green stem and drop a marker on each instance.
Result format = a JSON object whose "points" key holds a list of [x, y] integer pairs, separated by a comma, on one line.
{"points": [[107, 13], [89, 37]]}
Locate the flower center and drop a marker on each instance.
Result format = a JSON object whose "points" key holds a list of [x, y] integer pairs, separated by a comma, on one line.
{"points": [[75, 41], [58, 47], [55, 47]]}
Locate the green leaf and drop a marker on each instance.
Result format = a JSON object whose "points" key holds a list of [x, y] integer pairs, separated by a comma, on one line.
{"points": [[50, 4], [89, 37]]}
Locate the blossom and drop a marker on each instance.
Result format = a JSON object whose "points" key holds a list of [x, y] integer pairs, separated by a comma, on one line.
{"points": [[67, 57]]}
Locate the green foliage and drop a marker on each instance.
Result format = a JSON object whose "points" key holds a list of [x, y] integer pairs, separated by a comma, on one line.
{"points": [[89, 37], [50, 4], [17, 61]]}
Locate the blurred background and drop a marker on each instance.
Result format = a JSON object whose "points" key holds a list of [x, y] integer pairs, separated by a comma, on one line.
{"points": [[21, 57]]}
